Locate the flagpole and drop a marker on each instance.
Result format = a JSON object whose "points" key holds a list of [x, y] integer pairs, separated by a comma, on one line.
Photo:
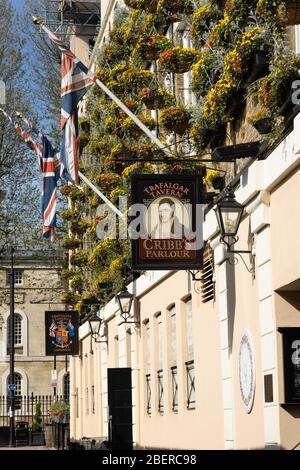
{"points": [[39, 21], [101, 195]]}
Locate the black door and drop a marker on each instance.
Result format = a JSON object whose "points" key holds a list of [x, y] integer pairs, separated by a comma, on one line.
{"points": [[120, 408]]}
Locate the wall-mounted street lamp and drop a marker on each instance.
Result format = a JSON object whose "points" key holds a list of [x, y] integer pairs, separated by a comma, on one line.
{"points": [[95, 322], [229, 214], [125, 299]]}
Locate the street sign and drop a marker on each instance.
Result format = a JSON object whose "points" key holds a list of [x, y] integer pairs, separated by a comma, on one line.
{"points": [[54, 378], [11, 387]]}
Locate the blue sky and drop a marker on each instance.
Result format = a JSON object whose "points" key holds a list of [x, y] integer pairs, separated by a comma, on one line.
{"points": [[18, 4]]}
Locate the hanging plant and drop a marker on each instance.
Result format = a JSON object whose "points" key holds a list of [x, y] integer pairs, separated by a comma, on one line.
{"points": [[205, 73], [156, 98], [66, 189], [70, 243], [123, 151], [283, 12], [239, 61], [77, 282], [240, 10], [139, 167], [129, 127], [94, 201], [79, 227], [136, 4], [116, 193], [115, 53], [79, 258], [276, 90], [69, 298], [220, 33], [202, 20], [149, 5], [150, 47], [70, 214], [147, 151], [174, 7], [175, 119], [106, 181], [218, 101], [99, 254], [134, 80], [178, 59]]}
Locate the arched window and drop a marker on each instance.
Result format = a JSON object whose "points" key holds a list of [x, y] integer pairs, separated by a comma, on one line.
{"points": [[66, 386], [18, 339], [18, 390]]}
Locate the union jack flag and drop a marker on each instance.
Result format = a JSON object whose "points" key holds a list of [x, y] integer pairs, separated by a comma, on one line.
{"points": [[76, 80], [52, 329], [50, 172], [49, 165]]}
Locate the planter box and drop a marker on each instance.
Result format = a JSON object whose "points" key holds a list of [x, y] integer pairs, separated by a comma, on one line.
{"points": [[37, 438], [232, 152], [258, 68]]}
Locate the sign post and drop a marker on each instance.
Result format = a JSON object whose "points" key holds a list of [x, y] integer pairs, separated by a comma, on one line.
{"points": [[167, 222]]}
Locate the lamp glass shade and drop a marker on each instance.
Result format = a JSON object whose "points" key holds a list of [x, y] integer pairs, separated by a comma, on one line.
{"points": [[125, 302], [229, 214], [95, 323]]}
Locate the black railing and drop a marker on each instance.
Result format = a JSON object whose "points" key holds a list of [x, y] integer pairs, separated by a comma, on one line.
{"points": [[148, 392], [25, 408], [160, 384], [190, 375], [174, 389]]}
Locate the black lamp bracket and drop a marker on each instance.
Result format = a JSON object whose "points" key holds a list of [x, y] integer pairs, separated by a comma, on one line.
{"points": [[231, 243], [195, 275], [235, 260]]}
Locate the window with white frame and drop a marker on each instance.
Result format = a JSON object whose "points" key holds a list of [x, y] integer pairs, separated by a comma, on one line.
{"points": [[18, 333], [18, 277], [18, 389]]}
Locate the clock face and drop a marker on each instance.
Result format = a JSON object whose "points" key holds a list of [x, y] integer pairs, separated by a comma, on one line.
{"points": [[246, 371]]}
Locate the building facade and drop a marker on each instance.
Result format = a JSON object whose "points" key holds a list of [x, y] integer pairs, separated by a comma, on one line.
{"points": [[37, 289], [214, 363]]}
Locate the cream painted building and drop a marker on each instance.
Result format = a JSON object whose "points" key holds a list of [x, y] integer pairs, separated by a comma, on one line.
{"points": [[37, 289], [207, 366], [187, 372]]}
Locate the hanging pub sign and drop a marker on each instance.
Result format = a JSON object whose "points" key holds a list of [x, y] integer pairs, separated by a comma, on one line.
{"points": [[61, 333], [291, 363], [166, 222]]}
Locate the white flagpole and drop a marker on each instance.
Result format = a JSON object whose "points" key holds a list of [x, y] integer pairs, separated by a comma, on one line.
{"points": [[101, 195], [39, 21]]}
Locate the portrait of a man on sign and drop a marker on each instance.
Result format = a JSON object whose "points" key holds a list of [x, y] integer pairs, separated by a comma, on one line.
{"points": [[169, 219], [170, 237]]}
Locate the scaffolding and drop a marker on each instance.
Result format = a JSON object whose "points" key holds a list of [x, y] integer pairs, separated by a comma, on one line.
{"points": [[71, 17]]}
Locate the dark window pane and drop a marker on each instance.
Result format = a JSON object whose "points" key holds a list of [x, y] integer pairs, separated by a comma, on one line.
{"points": [[268, 384]]}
